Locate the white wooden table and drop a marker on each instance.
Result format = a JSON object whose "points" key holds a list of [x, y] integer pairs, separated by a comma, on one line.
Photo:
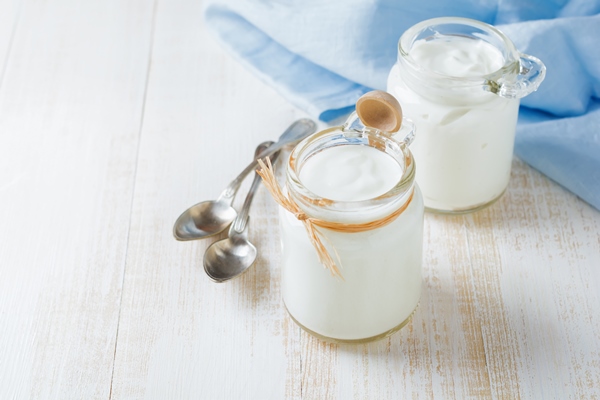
{"points": [[115, 116]]}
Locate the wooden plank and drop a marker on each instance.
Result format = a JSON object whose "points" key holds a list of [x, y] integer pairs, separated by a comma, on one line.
{"points": [[180, 335], [9, 18], [547, 278], [492, 322], [70, 112]]}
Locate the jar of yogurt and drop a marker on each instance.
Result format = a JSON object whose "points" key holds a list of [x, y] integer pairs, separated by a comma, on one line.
{"points": [[460, 81], [358, 184]]}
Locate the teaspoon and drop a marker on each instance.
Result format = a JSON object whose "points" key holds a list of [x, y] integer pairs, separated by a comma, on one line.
{"points": [[232, 256]]}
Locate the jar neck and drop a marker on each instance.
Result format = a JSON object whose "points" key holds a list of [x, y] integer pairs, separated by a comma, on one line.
{"points": [[350, 211], [437, 85]]}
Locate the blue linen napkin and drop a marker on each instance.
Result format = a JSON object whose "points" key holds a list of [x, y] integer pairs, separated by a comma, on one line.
{"points": [[323, 55]]}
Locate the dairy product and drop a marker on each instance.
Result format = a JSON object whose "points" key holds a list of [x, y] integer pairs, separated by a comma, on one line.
{"points": [[465, 138], [381, 267], [350, 173], [457, 56]]}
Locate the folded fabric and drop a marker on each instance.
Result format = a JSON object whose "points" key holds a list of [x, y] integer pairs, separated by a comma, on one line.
{"points": [[322, 56]]}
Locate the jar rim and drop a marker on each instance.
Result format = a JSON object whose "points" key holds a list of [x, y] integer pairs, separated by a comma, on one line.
{"points": [[508, 50], [311, 201]]}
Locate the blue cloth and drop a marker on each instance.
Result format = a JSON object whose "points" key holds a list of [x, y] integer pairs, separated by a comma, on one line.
{"points": [[323, 55]]}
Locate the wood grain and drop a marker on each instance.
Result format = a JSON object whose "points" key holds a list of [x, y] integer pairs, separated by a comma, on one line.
{"points": [[115, 117], [70, 109], [9, 19], [180, 333]]}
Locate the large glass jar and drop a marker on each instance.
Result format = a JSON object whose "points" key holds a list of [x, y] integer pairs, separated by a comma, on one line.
{"points": [[380, 266], [460, 81]]}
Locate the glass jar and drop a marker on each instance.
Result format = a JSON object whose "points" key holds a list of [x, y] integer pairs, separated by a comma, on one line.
{"points": [[380, 268], [460, 81]]}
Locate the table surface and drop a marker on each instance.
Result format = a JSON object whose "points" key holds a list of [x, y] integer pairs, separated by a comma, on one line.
{"points": [[115, 116]]}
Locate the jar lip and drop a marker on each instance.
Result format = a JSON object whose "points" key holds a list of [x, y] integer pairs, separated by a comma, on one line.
{"points": [[308, 198], [509, 52]]}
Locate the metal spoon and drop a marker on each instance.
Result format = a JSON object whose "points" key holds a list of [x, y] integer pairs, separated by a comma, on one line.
{"points": [[212, 217], [231, 257]]}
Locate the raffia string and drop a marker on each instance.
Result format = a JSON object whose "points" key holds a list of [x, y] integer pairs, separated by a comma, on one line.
{"points": [[316, 237]]}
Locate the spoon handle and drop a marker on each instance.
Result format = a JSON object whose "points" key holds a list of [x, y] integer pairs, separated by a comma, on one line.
{"points": [[240, 222], [294, 133]]}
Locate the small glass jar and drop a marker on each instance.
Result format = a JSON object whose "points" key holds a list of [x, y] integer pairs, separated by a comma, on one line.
{"points": [[466, 115], [380, 268]]}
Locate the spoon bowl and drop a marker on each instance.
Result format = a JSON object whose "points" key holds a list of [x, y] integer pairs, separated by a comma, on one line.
{"points": [[212, 217], [204, 219], [229, 258]]}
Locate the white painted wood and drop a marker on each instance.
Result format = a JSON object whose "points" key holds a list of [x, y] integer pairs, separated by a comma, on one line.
{"points": [[9, 18], [70, 112], [102, 302], [181, 335]]}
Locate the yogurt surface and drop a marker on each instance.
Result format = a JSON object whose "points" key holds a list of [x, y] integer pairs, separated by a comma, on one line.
{"points": [[350, 173], [457, 56]]}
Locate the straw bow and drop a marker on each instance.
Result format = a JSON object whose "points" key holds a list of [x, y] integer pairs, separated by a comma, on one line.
{"points": [[316, 237]]}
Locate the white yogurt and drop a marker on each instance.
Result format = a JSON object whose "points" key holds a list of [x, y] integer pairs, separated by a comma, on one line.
{"points": [[465, 138], [350, 173], [458, 57], [381, 267]]}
